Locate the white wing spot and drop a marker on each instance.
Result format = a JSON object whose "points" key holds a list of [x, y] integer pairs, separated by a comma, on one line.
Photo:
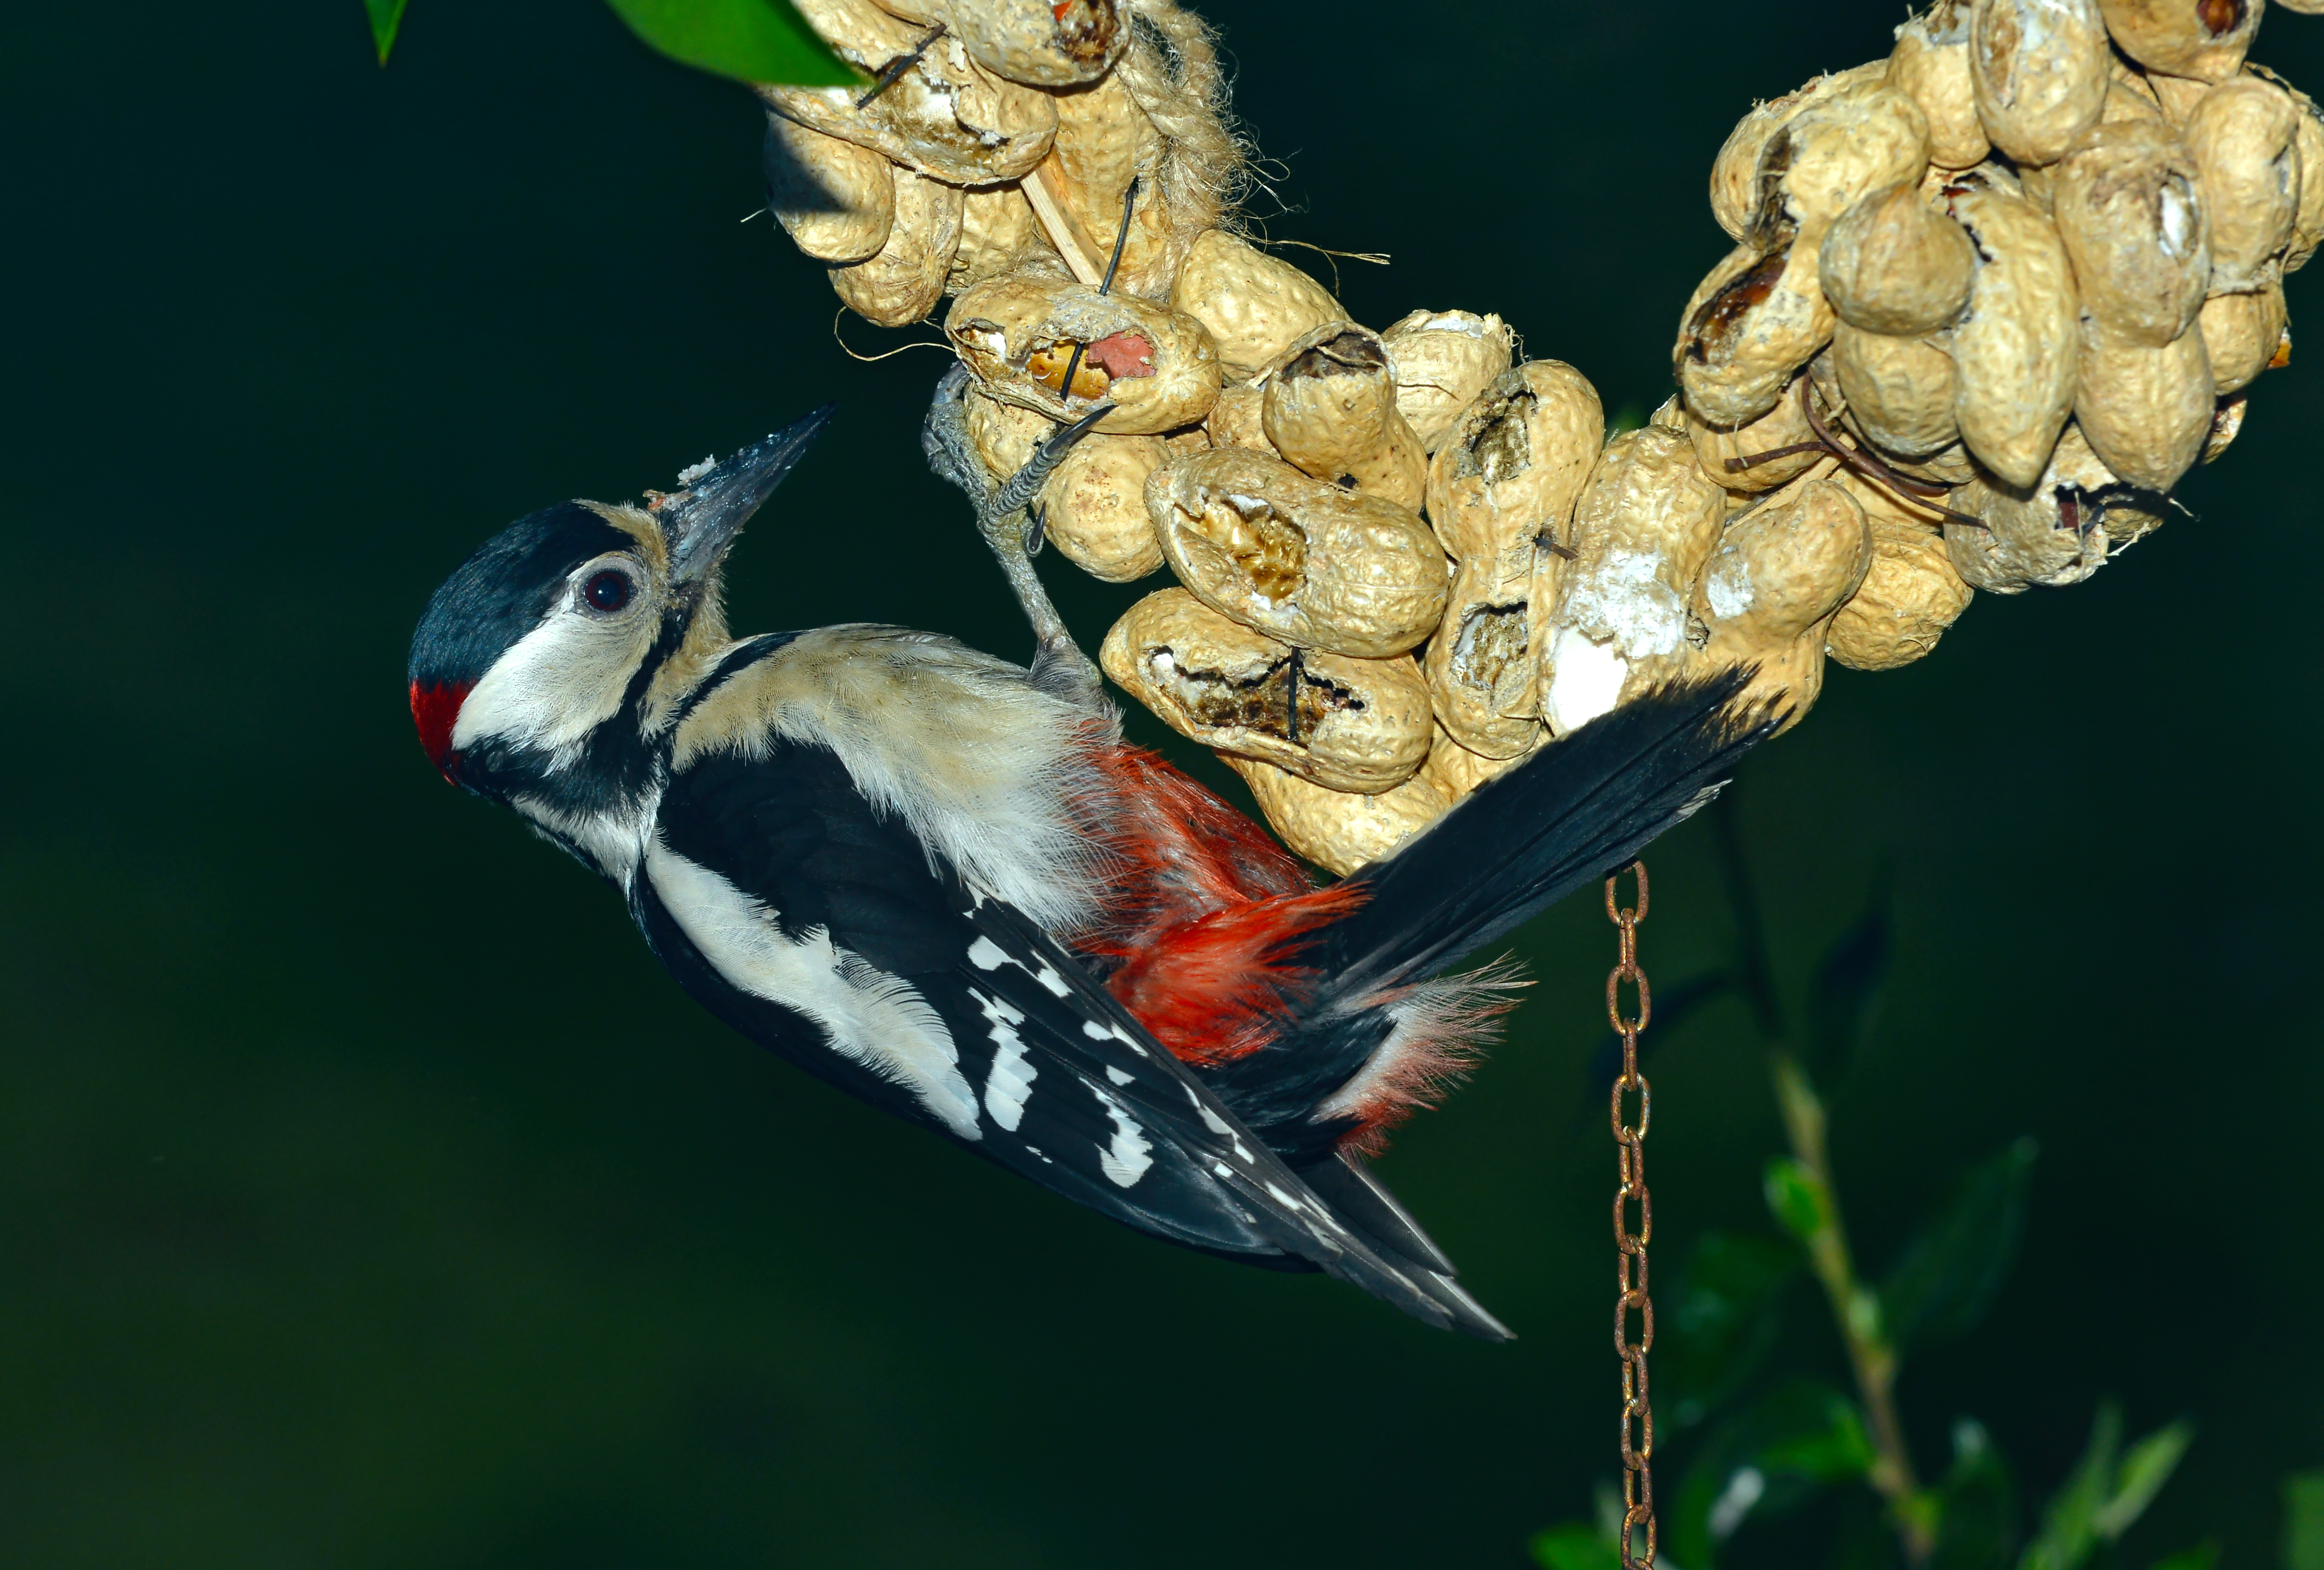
{"points": [[1095, 1031], [1222, 1169], [1215, 1124], [1288, 1201], [1010, 1082], [1125, 1159], [986, 955], [1117, 1076], [1052, 979], [1243, 1153]]}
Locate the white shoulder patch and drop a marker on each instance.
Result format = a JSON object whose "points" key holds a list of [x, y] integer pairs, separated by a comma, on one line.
{"points": [[875, 1019], [977, 762]]}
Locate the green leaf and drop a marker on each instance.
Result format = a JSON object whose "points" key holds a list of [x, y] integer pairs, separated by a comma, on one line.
{"points": [[1797, 1199], [2069, 1521], [752, 41], [1720, 1326], [2303, 1521], [386, 17], [2143, 1473], [2203, 1556], [1769, 1458], [1575, 1546], [1847, 985], [1977, 1505], [1948, 1275]]}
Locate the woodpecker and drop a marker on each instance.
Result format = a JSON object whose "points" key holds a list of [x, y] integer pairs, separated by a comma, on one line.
{"points": [[945, 883]]}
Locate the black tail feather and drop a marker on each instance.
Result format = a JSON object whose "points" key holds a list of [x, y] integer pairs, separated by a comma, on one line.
{"points": [[1573, 812]]}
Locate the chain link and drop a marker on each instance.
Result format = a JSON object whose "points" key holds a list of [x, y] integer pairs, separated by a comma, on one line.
{"points": [[1630, 1263]]}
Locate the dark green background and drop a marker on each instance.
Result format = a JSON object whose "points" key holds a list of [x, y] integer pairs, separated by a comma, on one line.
{"points": [[369, 1199]]}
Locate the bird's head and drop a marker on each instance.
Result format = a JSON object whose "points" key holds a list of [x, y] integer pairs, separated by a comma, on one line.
{"points": [[581, 614]]}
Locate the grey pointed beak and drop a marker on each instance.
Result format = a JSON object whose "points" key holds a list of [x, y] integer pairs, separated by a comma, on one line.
{"points": [[701, 521]]}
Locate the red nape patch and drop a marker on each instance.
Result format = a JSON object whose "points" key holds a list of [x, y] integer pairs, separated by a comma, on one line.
{"points": [[435, 710], [1122, 354]]}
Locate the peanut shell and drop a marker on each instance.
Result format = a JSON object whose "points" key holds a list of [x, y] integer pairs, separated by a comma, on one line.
{"points": [[2131, 96], [2146, 412], [835, 200], [2227, 424], [1362, 725], [1095, 506], [1752, 324], [2014, 350], [1004, 434], [2053, 534], [1513, 463], [1254, 306], [1104, 141], [1338, 830], [946, 116], [1861, 138], [2128, 207], [2040, 69], [1899, 391], [999, 235], [2176, 37], [902, 283], [2245, 135], [1720, 448], [2241, 333], [1298, 560], [2308, 222], [1910, 594], [1032, 42], [1456, 772], [1780, 574], [1234, 420], [1892, 265], [1330, 409], [1642, 531], [1931, 63], [1735, 191], [1442, 360], [1155, 365]]}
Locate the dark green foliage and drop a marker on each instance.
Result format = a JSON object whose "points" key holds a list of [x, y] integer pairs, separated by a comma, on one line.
{"points": [[1977, 1504], [387, 20], [1950, 1272], [1717, 1331], [2303, 1521], [1771, 1457], [1847, 986], [1575, 1547], [751, 40]]}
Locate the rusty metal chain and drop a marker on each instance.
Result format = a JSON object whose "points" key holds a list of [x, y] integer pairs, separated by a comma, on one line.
{"points": [[1630, 1263]]}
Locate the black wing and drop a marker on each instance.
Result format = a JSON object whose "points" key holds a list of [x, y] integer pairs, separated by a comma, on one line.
{"points": [[779, 899]]}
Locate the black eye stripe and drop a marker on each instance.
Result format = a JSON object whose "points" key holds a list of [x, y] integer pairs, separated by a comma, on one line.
{"points": [[607, 591]]}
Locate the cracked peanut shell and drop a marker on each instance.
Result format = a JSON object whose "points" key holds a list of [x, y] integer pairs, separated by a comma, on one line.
{"points": [[1339, 830], [2245, 135], [2040, 70], [1361, 724], [1301, 560], [1735, 191], [1036, 42], [1443, 359], [2013, 351], [1016, 335], [902, 283], [1752, 324], [1931, 63], [1642, 531], [2202, 39], [2053, 534], [946, 117], [2128, 206], [1104, 141], [1329, 407], [1862, 138], [1254, 306]]}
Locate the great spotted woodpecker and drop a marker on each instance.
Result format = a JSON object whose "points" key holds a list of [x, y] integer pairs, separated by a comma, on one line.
{"points": [[945, 884]]}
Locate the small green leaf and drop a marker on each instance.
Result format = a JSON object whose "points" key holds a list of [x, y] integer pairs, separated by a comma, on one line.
{"points": [[1575, 1546], [2203, 1556], [1847, 985], [1977, 1505], [1950, 1274], [1796, 1196], [386, 17], [2143, 1473], [2069, 1521], [1722, 1323], [2303, 1521], [1769, 1458], [752, 41]]}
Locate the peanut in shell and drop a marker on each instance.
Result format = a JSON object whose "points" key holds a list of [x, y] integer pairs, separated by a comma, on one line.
{"points": [[2051, 533], [1780, 574], [1726, 452], [1735, 190], [1329, 407], [1254, 306], [2146, 412], [2245, 135], [2202, 39], [1899, 392], [2308, 221], [1456, 772], [1642, 531], [1036, 42], [1443, 359], [1095, 506], [946, 116], [1752, 324], [1301, 560], [2241, 333], [2128, 206], [1861, 138], [1359, 724], [1016, 335], [902, 283], [1910, 594], [1104, 141], [835, 200], [1892, 265], [2040, 69], [1930, 64], [1339, 830], [2014, 350], [1004, 434], [999, 235], [1235, 420]]}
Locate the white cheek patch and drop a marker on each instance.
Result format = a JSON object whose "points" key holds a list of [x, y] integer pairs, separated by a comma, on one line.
{"points": [[556, 684], [871, 1018]]}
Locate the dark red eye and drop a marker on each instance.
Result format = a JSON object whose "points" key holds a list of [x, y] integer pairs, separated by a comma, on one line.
{"points": [[607, 591]]}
